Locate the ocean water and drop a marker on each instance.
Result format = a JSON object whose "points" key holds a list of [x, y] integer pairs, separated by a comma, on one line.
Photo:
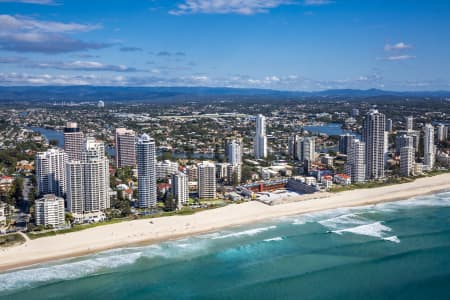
{"points": [[398, 250]]}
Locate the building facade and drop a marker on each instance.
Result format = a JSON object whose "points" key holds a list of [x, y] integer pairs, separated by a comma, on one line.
{"points": [[260, 140], [374, 137], [180, 188], [49, 210], [50, 172], [356, 161], [73, 141], [88, 180], [406, 161], [428, 147], [125, 148], [206, 180], [146, 164], [306, 149]]}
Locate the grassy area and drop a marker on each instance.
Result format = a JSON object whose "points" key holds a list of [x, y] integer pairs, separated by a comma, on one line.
{"points": [[372, 184], [11, 240], [35, 235]]}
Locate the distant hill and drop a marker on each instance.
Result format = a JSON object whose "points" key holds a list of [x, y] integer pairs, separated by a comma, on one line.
{"points": [[157, 94]]}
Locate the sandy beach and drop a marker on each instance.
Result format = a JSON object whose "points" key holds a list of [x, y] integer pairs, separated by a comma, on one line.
{"points": [[165, 228]]}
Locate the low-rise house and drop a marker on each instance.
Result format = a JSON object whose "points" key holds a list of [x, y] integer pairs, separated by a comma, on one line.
{"points": [[342, 179]]}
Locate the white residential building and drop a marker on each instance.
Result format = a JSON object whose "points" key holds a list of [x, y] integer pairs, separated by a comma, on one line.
{"points": [[260, 140], [306, 149], [428, 147], [406, 161], [50, 172], [206, 180], [125, 148], [373, 135], [356, 160], [234, 153], [180, 188], [166, 168], [146, 163], [49, 210], [409, 123], [88, 180], [441, 133], [2, 214]]}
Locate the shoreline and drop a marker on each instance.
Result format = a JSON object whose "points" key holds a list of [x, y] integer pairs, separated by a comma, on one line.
{"points": [[142, 232]]}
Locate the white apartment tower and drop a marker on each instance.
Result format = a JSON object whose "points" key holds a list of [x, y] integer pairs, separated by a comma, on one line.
{"points": [[73, 141], [356, 160], [234, 153], [88, 180], [406, 161], [306, 149], [374, 137], [409, 123], [146, 165], [125, 148], [180, 188], [49, 210], [428, 147], [206, 180], [441, 133], [260, 140], [50, 172]]}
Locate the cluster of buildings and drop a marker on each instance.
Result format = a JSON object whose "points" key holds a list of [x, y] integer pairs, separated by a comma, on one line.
{"points": [[79, 174], [368, 155]]}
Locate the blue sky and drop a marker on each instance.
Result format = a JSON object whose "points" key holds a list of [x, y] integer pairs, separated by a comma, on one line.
{"points": [[278, 44]]}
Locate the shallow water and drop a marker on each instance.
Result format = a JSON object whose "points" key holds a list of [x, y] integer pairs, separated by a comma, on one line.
{"points": [[397, 250]]}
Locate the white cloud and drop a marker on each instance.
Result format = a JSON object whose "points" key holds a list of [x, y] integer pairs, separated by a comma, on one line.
{"points": [[398, 46], [23, 34], [40, 2], [242, 7], [317, 2], [398, 57]]}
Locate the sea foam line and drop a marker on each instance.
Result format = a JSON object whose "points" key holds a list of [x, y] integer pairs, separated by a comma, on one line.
{"points": [[249, 232]]}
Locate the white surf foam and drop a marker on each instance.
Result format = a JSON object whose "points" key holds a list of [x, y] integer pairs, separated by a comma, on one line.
{"points": [[344, 220], [393, 239], [249, 232], [275, 239], [376, 229], [65, 271]]}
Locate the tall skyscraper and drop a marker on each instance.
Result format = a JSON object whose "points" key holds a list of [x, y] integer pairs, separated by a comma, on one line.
{"points": [[88, 179], [409, 123], [73, 141], [206, 180], [146, 164], [306, 149], [344, 140], [389, 125], [374, 137], [180, 188], [292, 146], [406, 160], [403, 140], [260, 140], [125, 148], [428, 147], [441, 133], [50, 172], [234, 153], [356, 160]]}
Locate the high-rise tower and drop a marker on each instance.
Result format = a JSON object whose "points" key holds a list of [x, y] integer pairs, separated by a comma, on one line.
{"points": [[146, 165]]}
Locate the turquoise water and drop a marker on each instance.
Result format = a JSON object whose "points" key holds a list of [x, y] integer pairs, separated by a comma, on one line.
{"points": [[395, 250]]}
